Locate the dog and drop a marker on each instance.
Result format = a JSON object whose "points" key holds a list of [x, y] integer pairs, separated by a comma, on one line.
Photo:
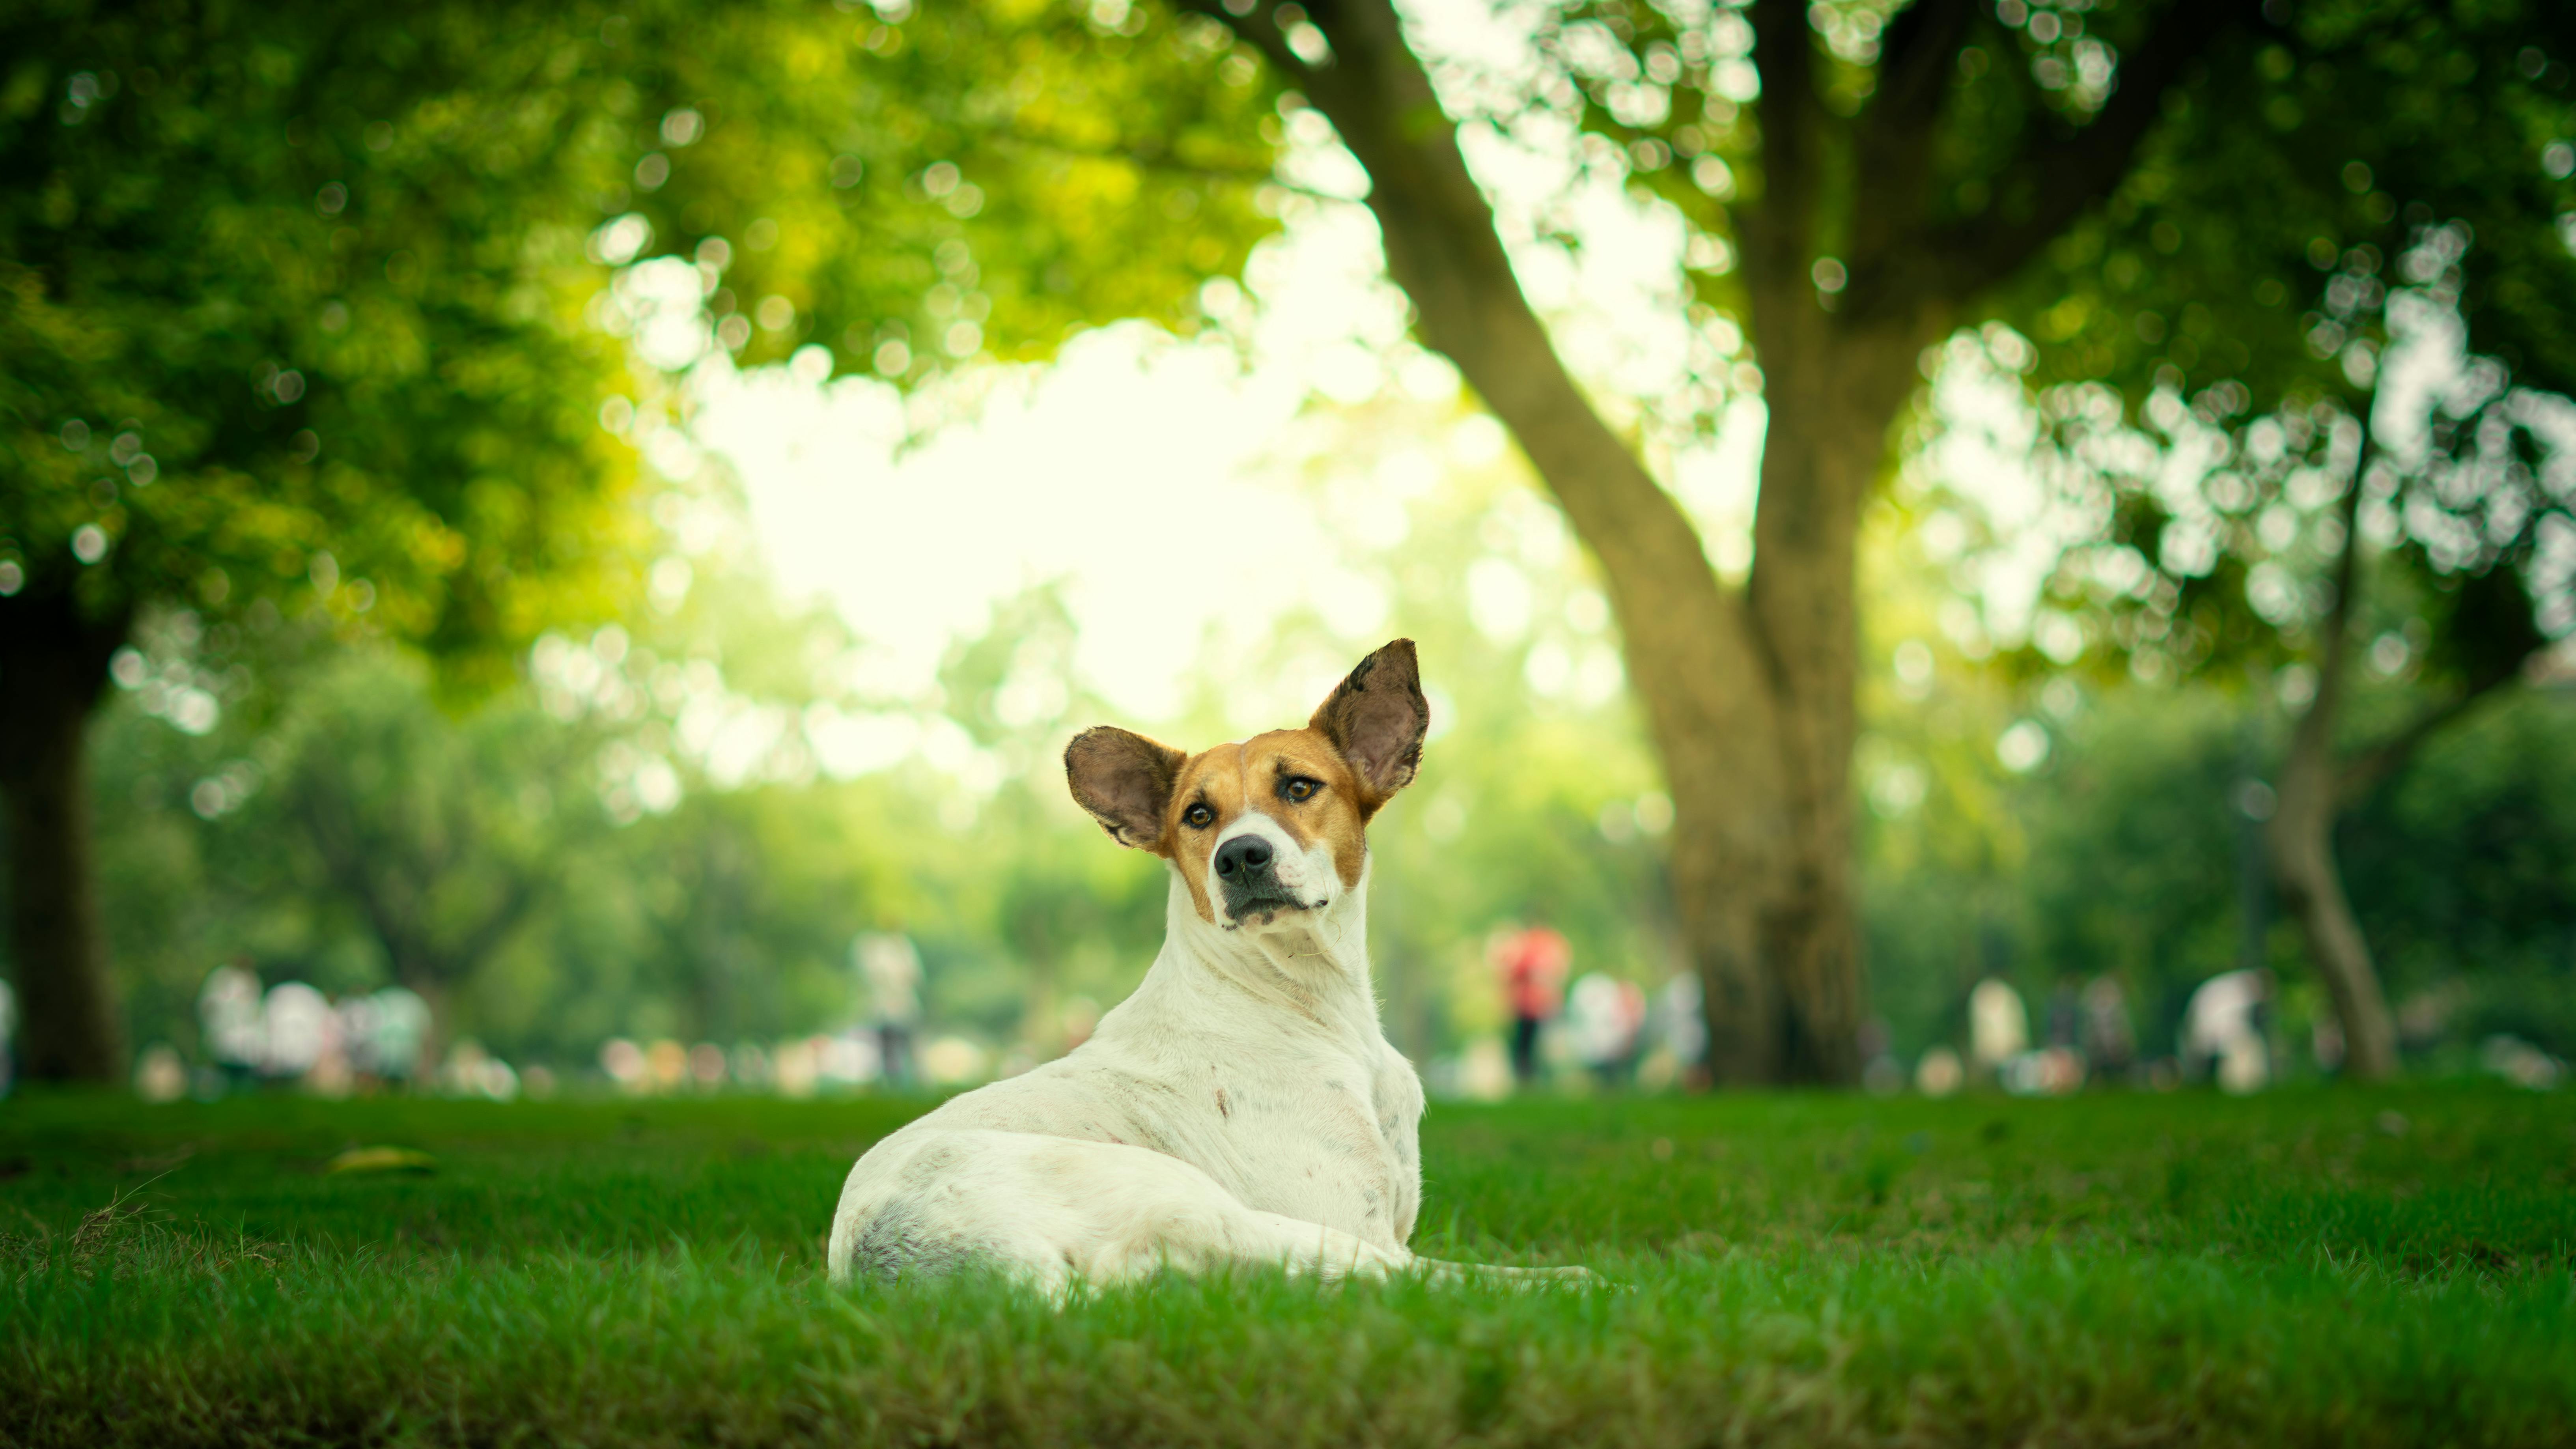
{"points": [[1242, 1109]]}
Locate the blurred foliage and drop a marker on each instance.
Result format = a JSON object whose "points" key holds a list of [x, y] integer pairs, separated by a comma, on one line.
{"points": [[2048, 824], [2199, 362], [2374, 121], [655, 792], [293, 296], [915, 188], [304, 292], [350, 312], [638, 839], [472, 238], [2203, 534], [2126, 852]]}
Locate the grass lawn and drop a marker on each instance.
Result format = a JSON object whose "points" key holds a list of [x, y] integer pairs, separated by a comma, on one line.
{"points": [[2312, 1267]]}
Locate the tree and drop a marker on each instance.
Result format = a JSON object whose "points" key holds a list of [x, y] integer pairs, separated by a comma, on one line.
{"points": [[264, 348], [2267, 535], [2214, 380], [441, 838], [300, 309], [1868, 176]]}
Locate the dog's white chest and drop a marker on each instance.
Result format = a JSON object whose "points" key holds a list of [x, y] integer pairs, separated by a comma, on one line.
{"points": [[1327, 1141]]}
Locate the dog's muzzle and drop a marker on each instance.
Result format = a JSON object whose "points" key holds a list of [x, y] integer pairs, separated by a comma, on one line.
{"points": [[1248, 870]]}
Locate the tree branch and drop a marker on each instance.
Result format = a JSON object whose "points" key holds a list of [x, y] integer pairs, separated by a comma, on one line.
{"points": [[2369, 767], [1916, 55], [2068, 174], [1893, 154], [1687, 639], [1160, 164], [1258, 28], [337, 838], [1778, 229]]}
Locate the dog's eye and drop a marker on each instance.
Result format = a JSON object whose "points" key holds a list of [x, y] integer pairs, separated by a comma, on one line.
{"points": [[1300, 789], [1198, 817]]}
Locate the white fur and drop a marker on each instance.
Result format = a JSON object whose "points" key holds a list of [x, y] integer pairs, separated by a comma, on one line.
{"points": [[1308, 872], [1241, 1108]]}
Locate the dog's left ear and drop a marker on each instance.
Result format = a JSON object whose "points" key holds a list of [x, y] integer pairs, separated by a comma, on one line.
{"points": [[1376, 717], [1125, 781]]}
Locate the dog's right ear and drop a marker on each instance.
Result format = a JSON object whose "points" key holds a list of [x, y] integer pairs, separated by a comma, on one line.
{"points": [[1125, 780], [1377, 718]]}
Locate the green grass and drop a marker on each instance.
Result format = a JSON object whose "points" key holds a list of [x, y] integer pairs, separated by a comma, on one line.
{"points": [[1795, 1270]]}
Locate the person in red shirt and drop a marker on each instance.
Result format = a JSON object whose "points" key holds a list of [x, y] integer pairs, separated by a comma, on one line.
{"points": [[1532, 962]]}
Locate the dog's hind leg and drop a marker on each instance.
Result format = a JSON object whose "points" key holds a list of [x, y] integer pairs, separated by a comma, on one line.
{"points": [[1492, 1275], [1054, 1211]]}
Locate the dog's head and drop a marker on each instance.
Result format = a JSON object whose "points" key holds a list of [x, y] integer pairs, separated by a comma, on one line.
{"points": [[1275, 826]]}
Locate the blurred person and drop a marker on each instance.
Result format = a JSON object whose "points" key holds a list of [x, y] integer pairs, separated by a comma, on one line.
{"points": [[891, 967], [471, 1071], [849, 1059], [2110, 1042], [1682, 1023], [1605, 1019], [333, 1074], [297, 1026], [2225, 1031], [2519, 1062], [796, 1067], [624, 1063], [1998, 1025], [2051, 1071], [2065, 1016], [1532, 962], [1881, 1074], [397, 1034], [1483, 1072], [231, 1025], [159, 1075], [357, 1027], [666, 1064], [8, 1034], [707, 1066], [382, 1033]]}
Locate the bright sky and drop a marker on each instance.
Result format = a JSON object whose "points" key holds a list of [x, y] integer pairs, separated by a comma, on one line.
{"points": [[1133, 468]]}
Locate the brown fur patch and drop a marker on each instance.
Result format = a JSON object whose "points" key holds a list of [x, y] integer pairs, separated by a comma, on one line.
{"points": [[1125, 781], [1363, 744], [1232, 780]]}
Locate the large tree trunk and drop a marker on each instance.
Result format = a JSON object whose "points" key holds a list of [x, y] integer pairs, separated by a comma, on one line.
{"points": [[1748, 696], [2300, 837], [1832, 393], [53, 665]]}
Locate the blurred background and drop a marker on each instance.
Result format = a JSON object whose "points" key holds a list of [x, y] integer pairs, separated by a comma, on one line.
{"points": [[557, 548]]}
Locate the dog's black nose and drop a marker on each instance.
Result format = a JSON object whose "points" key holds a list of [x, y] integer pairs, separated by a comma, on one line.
{"points": [[1242, 857]]}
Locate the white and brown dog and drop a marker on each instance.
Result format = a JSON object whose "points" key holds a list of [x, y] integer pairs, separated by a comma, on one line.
{"points": [[1242, 1108]]}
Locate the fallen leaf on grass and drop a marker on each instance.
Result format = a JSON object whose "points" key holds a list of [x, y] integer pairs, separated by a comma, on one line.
{"points": [[383, 1159]]}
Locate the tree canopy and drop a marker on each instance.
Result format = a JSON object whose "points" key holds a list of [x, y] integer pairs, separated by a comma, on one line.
{"points": [[305, 306]]}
